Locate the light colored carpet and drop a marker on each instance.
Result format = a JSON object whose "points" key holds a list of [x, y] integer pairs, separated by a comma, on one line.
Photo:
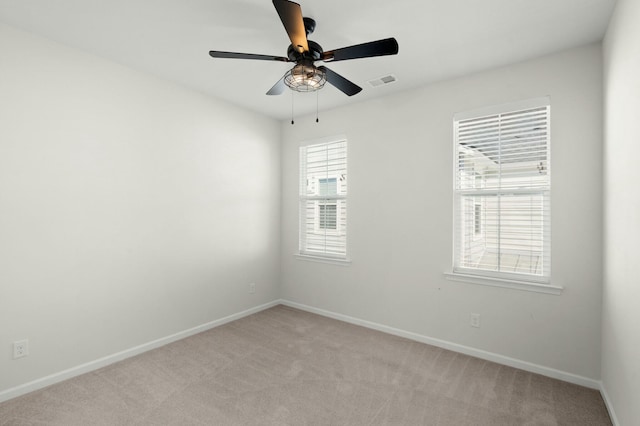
{"points": [[283, 366]]}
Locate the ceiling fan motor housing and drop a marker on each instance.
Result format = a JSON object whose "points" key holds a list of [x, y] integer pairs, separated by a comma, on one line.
{"points": [[314, 54]]}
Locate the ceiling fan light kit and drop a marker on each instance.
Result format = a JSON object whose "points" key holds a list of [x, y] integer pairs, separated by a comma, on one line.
{"points": [[305, 76]]}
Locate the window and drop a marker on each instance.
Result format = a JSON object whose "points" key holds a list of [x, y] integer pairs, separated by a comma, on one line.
{"points": [[323, 200], [502, 189]]}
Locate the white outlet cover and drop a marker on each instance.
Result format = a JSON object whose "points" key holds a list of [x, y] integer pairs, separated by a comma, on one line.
{"points": [[475, 320], [20, 349]]}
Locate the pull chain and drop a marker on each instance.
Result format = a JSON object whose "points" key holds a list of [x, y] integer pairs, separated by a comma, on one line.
{"points": [[317, 95], [292, 108]]}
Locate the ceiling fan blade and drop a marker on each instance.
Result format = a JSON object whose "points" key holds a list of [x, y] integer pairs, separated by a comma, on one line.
{"points": [[234, 55], [291, 17], [341, 83], [388, 46], [278, 88]]}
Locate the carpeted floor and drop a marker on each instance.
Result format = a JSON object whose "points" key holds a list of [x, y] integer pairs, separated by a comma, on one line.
{"points": [[283, 366]]}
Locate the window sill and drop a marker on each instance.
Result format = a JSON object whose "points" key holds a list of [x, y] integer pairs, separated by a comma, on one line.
{"points": [[320, 259], [504, 283]]}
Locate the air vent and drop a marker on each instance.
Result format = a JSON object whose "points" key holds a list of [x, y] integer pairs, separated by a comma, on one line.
{"points": [[382, 80]]}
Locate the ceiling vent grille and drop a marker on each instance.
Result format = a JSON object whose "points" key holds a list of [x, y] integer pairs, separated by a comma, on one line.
{"points": [[387, 79]]}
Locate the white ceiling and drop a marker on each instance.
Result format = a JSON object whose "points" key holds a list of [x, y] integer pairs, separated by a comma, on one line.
{"points": [[438, 39]]}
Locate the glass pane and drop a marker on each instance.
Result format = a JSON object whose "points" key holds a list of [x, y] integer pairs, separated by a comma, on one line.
{"points": [[504, 151], [324, 226], [327, 186], [327, 216], [503, 232]]}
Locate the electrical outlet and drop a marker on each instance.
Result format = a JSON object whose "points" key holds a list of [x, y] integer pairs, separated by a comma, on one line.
{"points": [[475, 320], [20, 348], [252, 287]]}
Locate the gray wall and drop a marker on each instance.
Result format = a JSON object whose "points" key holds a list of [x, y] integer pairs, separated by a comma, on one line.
{"points": [[621, 301], [130, 208], [400, 216]]}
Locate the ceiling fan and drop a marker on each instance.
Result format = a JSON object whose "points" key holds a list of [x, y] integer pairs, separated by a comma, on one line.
{"points": [[305, 76]]}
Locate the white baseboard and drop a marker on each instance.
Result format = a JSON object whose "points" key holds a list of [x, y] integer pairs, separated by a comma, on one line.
{"points": [[478, 353], [609, 405], [128, 353]]}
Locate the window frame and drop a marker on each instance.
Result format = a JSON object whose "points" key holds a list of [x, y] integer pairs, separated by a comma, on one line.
{"points": [[524, 281], [339, 199]]}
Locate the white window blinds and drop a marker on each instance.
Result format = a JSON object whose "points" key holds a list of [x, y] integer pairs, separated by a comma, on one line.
{"points": [[502, 191], [323, 199]]}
